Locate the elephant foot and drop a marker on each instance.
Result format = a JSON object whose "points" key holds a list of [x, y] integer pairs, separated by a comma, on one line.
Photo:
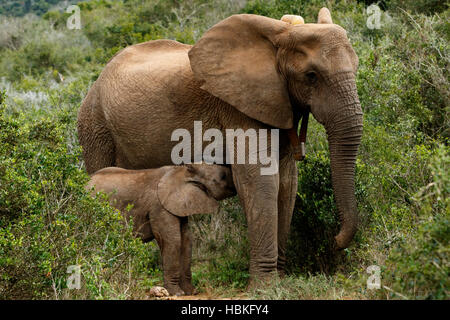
{"points": [[281, 273], [262, 281], [188, 288], [174, 290]]}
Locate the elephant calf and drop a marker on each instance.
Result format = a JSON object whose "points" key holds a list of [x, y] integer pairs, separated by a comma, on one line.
{"points": [[162, 200]]}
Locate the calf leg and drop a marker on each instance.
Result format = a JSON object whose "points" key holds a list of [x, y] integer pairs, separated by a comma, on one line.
{"points": [[167, 231], [185, 258]]}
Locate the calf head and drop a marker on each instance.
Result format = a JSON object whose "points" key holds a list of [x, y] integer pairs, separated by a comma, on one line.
{"points": [[195, 188]]}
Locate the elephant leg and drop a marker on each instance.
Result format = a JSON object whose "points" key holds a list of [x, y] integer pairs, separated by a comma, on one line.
{"points": [[286, 202], [258, 194], [166, 229], [186, 255]]}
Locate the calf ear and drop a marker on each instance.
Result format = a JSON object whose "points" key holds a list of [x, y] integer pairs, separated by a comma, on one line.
{"points": [[183, 198]]}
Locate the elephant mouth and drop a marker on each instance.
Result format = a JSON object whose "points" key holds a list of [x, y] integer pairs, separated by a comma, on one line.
{"points": [[231, 191], [228, 192]]}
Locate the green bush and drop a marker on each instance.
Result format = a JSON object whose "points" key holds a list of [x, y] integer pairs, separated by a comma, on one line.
{"points": [[40, 49], [48, 221], [221, 248], [420, 6], [418, 266], [314, 222], [22, 7]]}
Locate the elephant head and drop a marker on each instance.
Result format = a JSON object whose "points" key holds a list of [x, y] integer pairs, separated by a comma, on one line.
{"points": [[195, 188], [272, 70]]}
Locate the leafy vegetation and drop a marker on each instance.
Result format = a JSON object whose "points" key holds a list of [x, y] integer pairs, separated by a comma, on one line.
{"points": [[48, 222], [22, 7]]}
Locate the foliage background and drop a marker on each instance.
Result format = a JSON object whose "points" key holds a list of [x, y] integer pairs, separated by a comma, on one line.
{"points": [[20, 8], [47, 221]]}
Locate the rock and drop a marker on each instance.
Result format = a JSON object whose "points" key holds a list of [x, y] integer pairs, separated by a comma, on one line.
{"points": [[158, 292]]}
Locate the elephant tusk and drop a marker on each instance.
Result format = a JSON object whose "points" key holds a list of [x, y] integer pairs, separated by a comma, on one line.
{"points": [[293, 19]]}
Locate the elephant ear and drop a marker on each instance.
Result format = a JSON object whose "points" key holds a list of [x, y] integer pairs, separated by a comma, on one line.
{"points": [[236, 61], [183, 198]]}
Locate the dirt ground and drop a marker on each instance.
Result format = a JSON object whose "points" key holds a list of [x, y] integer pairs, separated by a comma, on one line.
{"points": [[199, 296]]}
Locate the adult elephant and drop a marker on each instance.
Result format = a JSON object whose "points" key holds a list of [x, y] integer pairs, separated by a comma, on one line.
{"points": [[247, 71]]}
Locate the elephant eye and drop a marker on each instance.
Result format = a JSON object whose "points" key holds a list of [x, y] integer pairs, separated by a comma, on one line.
{"points": [[312, 77]]}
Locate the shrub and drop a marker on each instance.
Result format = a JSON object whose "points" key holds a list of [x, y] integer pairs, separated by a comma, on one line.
{"points": [[221, 248], [42, 49], [418, 265], [419, 6], [314, 222], [48, 221]]}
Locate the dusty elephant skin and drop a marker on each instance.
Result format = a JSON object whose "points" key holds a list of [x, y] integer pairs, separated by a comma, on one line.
{"points": [[162, 200], [247, 71]]}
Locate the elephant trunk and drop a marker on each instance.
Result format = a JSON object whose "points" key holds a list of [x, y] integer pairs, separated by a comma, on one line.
{"points": [[344, 136]]}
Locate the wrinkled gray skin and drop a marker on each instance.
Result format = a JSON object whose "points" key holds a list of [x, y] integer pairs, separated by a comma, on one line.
{"points": [[245, 72], [162, 200]]}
